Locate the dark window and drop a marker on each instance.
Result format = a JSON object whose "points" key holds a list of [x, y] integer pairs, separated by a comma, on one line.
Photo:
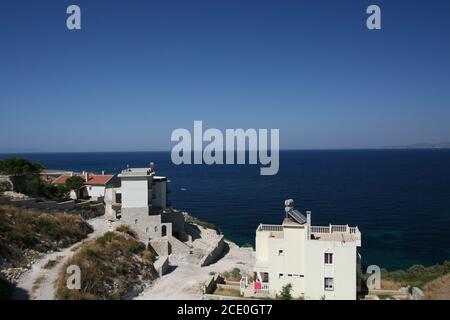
{"points": [[329, 284], [328, 258]]}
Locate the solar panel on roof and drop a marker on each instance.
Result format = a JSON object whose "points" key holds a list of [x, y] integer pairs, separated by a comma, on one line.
{"points": [[297, 216]]}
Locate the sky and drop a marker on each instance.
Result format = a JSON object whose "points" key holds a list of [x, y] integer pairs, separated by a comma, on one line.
{"points": [[139, 69]]}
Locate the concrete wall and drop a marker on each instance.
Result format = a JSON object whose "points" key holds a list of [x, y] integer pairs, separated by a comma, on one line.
{"points": [[178, 223], [160, 198], [147, 227], [135, 192], [161, 265], [161, 246], [214, 253]]}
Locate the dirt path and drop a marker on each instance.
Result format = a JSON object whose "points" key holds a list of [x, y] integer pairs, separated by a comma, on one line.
{"points": [[186, 279], [38, 282]]}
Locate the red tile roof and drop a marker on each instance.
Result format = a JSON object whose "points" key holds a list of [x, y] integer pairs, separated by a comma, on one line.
{"points": [[98, 180]]}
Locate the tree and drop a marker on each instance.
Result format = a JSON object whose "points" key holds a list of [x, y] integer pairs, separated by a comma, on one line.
{"points": [[19, 167], [74, 183], [285, 293]]}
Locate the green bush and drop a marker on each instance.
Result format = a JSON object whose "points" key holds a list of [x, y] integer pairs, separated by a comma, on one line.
{"points": [[417, 275], [285, 293]]}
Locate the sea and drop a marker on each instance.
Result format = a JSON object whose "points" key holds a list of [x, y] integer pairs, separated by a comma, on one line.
{"points": [[399, 199]]}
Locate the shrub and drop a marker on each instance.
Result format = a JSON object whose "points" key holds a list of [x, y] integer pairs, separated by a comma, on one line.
{"points": [[236, 273], [126, 229], [417, 275], [112, 266], [285, 293]]}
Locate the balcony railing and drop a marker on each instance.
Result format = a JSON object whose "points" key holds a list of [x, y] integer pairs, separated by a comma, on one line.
{"points": [[270, 227], [336, 229]]}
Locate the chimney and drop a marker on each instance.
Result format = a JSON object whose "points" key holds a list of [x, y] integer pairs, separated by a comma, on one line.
{"points": [[71, 173], [308, 225], [103, 172], [86, 176], [152, 167]]}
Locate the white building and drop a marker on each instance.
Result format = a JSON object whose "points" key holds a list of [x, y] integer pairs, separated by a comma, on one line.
{"points": [[319, 262], [141, 202], [94, 185]]}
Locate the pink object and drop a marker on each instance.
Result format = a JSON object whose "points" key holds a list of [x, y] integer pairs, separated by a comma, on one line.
{"points": [[257, 285]]}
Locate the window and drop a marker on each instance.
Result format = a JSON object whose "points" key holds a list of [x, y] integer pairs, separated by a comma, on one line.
{"points": [[329, 284], [281, 276], [281, 252], [328, 258]]}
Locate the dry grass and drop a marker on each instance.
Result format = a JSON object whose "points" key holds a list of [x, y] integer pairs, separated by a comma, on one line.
{"points": [[227, 292], [29, 229], [112, 266], [389, 285], [438, 289]]}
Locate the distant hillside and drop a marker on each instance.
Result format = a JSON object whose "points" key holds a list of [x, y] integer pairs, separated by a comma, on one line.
{"points": [[442, 145]]}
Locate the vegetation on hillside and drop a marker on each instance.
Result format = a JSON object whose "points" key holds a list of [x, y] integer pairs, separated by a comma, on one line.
{"points": [[204, 224], [28, 229], [19, 167], [417, 275], [25, 179], [112, 267]]}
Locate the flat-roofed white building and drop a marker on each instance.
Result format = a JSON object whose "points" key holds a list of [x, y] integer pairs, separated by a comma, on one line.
{"points": [[320, 262], [141, 201]]}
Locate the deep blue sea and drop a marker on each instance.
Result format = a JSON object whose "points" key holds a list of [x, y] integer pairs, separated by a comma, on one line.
{"points": [[400, 199]]}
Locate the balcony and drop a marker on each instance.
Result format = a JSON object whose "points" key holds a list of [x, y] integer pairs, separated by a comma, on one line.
{"points": [[272, 230], [336, 233]]}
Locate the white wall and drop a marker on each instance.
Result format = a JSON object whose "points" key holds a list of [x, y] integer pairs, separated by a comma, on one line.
{"points": [[343, 270], [95, 191], [135, 192], [290, 263]]}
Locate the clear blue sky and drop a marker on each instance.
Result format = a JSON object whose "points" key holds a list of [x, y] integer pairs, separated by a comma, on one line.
{"points": [[139, 69]]}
